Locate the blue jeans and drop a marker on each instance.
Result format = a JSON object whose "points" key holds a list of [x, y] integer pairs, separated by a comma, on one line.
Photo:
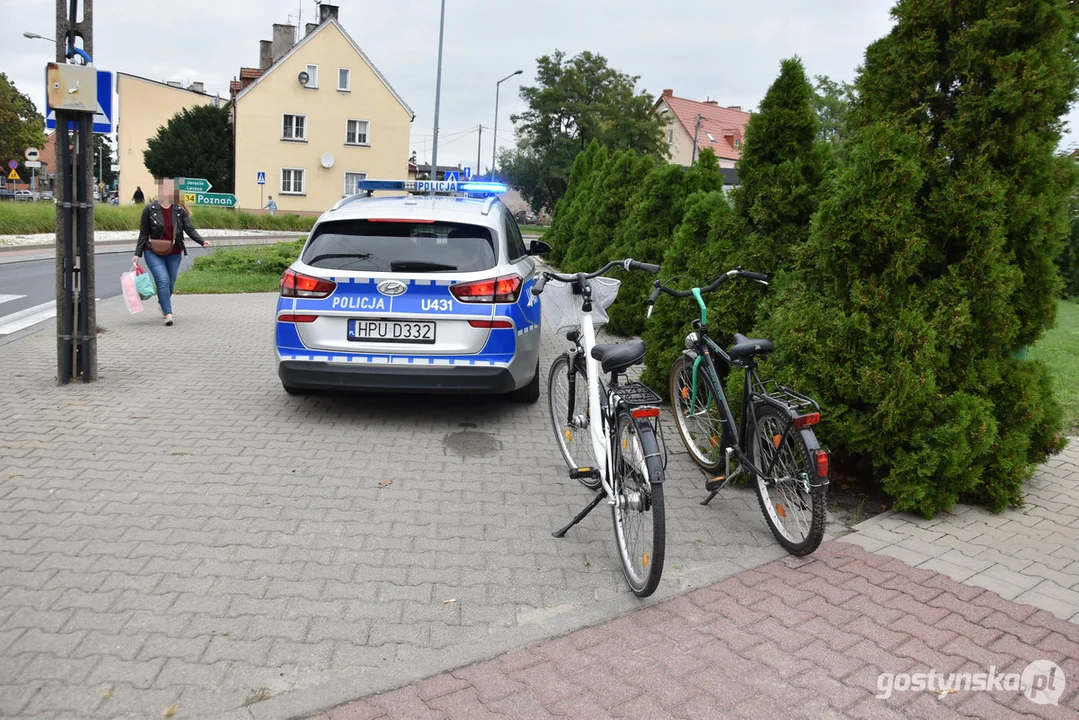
{"points": [[164, 268]]}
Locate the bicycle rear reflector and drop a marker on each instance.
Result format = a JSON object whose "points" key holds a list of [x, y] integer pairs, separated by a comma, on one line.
{"points": [[806, 420], [822, 464], [644, 412]]}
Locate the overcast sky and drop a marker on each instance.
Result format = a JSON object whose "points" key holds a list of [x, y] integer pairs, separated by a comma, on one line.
{"points": [[723, 50]]}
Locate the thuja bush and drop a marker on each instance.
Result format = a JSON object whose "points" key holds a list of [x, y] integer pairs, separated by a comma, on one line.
{"points": [[565, 212], [930, 261]]}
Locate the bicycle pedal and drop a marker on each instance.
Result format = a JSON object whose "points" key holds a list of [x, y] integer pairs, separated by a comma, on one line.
{"points": [[584, 472]]}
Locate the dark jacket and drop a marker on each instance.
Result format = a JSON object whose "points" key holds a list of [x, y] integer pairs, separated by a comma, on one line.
{"points": [[153, 224]]}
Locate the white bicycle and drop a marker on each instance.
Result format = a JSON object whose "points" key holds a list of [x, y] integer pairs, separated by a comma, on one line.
{"points": [[607, 432]]}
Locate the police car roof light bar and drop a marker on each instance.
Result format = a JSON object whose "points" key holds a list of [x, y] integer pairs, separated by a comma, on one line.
{"points": [[445, 187]]}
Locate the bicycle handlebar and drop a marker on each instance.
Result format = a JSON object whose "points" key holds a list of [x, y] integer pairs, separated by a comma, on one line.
{"points": [[627, 264], [660, 287]]}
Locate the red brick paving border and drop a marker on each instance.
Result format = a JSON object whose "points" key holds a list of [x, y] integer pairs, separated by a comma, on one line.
{"points": [[798, 638]]}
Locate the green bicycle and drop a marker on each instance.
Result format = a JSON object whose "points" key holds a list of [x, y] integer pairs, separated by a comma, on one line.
{"points": [[773, 440]]}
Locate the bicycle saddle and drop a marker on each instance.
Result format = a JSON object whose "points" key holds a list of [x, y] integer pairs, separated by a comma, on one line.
{"points": [[744, 346], [616, 358]]}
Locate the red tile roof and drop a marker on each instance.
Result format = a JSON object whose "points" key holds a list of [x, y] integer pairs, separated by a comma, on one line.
{"points": [[725, 124]]}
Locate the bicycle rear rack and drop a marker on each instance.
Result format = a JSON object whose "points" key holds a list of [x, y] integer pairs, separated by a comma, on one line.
{"points": [[793, 400], [636, 394]]}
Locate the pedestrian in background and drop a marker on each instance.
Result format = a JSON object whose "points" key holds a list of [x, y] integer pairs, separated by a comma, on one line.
{"points": [[138, 198], [164, 222], [271, 206]]}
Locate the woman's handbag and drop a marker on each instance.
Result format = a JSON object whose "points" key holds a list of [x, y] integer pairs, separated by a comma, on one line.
{"points": [[144, 283]]}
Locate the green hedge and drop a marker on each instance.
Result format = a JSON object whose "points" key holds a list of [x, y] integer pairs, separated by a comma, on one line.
{"points": [[18, 218]]}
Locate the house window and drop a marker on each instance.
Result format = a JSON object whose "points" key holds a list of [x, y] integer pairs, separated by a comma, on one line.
{"points": [[292, 181], [344, 79], [356, 132], [294, 127], [712, 138], [738, 142], [312, 77], [352, 181], [670, 136]]}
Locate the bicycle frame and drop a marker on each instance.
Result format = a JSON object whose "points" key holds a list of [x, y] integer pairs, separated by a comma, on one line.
{"points": [[597, 420]]}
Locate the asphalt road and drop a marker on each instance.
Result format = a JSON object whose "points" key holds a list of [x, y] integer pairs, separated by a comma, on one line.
{"points": [[28, 289]]}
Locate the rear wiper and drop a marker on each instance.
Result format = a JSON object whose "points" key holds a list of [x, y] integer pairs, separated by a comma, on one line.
{"points": [[335, 256], [419, 266]]}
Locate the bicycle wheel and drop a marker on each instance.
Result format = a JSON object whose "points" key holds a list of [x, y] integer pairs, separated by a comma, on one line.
{"points": [[794, 510], [638, 513], [699, 420], [571, 433]]}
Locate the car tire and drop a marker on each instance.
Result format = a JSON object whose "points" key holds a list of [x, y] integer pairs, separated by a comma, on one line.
{"points": [[529, 393]]}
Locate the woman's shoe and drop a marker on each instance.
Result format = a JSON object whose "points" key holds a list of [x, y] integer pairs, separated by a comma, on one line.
{"points": [[168, 320]]}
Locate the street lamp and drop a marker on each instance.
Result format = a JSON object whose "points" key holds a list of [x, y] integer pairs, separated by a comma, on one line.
{"points": [[494, 141], [438, 92], [35, 36]]}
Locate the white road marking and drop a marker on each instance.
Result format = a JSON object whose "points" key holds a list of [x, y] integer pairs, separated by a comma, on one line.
{"points": [[8, 298], [27, 318]]}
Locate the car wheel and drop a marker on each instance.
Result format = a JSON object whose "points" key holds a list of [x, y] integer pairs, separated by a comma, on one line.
{"points": [[529, 393]]}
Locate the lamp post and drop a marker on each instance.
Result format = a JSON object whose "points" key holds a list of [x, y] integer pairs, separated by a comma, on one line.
{"points": [[438, 92], [494, 134], [35, 36]]}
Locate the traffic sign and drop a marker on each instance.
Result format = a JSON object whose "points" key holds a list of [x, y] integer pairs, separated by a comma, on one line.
{"points": [[13, 175], [468, 173], [261, 178], [32, 154], [450, 177], [13, 164], [196, 185], [33, 163], [103, 116], [210, 199]]}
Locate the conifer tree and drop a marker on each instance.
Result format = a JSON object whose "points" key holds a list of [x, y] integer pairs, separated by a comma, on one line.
{"points": [[930, 262]]}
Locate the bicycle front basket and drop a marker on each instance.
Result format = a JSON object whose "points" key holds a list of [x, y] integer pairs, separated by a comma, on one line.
{"points": [[563, 309]]}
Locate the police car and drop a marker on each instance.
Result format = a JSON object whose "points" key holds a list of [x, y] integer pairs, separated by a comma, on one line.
{"points": [[413, 293]]}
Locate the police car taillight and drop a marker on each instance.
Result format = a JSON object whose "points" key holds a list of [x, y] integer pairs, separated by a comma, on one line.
{"points": [[505, 289], [294, 284]]}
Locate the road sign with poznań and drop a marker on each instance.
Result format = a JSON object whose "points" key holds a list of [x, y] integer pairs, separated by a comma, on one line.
{"points": [[193, 185], [216, 199]]}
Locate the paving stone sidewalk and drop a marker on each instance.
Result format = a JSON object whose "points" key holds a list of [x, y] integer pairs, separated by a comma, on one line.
{"points": [[831, 636], [184, 534]]}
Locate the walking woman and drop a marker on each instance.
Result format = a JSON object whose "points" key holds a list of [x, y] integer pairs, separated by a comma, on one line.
{"points": [[164, 222]]}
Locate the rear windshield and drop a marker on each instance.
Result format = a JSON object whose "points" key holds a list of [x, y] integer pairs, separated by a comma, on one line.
{"points": [[382, 246]]}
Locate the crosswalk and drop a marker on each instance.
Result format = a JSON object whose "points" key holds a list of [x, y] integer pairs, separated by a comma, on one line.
{"points": [[25, 318]]}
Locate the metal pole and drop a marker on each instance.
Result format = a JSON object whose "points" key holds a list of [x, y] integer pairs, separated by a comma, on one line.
{"points": [[696, 133], [84, 230], [66, 240], [438, 93], [479, 144], [494, 133]]}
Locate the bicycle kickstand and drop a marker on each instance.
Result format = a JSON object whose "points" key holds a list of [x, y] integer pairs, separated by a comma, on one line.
{"points": [[581, 515], [716, 484]]}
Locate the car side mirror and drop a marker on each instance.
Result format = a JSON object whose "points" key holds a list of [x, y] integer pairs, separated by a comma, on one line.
{"points": [[538, 247]]}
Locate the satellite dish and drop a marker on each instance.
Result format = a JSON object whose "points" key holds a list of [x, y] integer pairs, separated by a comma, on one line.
{"points": [[326, 160], [303, 77]]}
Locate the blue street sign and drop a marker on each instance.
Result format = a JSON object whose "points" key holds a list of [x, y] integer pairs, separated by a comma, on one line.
{"points": [[450, 177], [261, 178], [103, 116], [468, 173]]}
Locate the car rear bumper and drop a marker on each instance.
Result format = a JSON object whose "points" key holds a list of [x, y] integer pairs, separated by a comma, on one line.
{"points": [[310, 375]]}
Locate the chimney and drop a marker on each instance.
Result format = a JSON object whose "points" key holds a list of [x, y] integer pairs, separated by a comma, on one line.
{"points": [[735, 107], [326, 11], [265, 54], [309, 29], [714, 103], [283, 35], [667, 93], [174, 83], [196, 87]]}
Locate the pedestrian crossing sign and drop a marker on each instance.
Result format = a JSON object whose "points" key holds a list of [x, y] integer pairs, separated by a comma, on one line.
{"points": [[13, 175], [451, 177]]}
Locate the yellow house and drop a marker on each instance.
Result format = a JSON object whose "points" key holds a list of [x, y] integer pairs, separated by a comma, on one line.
{"points": [[317, 120], [146, 105]]}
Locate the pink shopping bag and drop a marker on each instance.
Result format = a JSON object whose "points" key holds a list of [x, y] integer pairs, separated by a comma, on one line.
{"points": [[131, 293]]}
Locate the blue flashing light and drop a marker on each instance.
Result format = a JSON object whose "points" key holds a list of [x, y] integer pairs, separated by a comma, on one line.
{"points": [[489, 188], [369, 185]]}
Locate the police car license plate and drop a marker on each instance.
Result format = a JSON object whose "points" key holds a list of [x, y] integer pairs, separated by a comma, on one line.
{"points": [[391, 331]]}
